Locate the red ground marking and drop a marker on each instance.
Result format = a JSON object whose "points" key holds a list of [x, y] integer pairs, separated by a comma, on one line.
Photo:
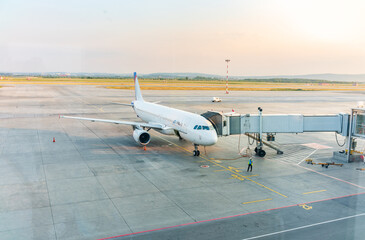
{"points": [[215, 219]]}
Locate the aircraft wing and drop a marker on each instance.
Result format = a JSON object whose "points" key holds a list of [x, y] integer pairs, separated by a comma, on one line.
{"points": [[124, 104], [137, 124]]}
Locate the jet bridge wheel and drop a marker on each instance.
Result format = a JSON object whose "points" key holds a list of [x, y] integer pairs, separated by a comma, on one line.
{"points": [[261, 153]]}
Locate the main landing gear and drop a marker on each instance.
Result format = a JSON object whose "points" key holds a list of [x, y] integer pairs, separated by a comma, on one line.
{"points": [[196, 152]]}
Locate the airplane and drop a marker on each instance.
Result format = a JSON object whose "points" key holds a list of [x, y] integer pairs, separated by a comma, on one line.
{"points": [[170, 121]]}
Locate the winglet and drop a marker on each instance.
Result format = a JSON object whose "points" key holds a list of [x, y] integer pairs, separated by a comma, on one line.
{"points": [[137, 88]]}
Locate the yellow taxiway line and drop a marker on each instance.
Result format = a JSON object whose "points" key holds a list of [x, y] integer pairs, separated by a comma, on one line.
{"points": [[315, 191], [267, 199], [228, 169]]}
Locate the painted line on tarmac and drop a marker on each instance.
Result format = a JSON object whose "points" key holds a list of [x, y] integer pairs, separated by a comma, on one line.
{"points": [[247, 176], [228, 169], [233, 168], [338, 179], [333, 198], [315, 191], [97, 108], [221, 218], [306, 226], [272, 190], [262, 200], [307, 157]]}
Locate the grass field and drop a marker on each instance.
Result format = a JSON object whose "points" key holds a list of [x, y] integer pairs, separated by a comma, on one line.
{"points": [[173, 84]]}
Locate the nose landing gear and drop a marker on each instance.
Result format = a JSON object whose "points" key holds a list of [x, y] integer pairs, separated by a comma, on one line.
{"points": [[196, 152]]}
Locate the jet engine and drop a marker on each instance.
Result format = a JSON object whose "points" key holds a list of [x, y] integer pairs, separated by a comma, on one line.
{"points": [[141, 136]]}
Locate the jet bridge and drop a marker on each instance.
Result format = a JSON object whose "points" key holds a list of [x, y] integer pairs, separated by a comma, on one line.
{"points": [[255, 125]]}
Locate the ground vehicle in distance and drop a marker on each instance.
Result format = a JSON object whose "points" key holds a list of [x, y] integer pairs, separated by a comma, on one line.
{"points": [[216, 99]]}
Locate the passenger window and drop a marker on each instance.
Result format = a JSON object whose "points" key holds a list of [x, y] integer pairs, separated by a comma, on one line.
{"points": [[195, 126], [199, 127]]}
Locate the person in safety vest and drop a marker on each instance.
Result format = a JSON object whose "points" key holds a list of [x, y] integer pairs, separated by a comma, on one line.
{"points": [[250, 164]]}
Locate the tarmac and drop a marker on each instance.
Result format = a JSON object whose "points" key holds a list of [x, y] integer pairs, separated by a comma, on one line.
{"points": [[95, 182]]}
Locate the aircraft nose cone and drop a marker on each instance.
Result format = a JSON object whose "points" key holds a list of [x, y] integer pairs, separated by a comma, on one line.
{"points": [[213, 138]]}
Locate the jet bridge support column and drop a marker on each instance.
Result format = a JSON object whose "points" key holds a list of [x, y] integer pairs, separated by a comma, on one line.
{"points": [[259, 149], [278, 151], [350, 136], [356, 131], [260, 116]]}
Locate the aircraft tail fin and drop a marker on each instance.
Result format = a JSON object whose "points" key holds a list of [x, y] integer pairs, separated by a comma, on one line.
{"points": [[137, 88]]}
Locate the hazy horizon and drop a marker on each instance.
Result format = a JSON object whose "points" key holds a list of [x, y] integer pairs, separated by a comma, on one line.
{"points": [[177, 73], [262, 38]]}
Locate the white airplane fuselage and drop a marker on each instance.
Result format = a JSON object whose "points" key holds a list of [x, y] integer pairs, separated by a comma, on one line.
{"points": [[191, 127]]}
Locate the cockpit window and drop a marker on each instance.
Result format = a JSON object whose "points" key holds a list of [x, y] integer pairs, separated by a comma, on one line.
{"points": [[199, 127], [195, 126], [205, 128]]}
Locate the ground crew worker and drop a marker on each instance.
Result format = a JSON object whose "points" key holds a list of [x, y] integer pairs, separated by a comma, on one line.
{"points": [[250, 164]]}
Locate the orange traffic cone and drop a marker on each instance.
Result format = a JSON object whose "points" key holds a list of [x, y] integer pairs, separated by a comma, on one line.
{"points": [[54, 139], [144, 148]]}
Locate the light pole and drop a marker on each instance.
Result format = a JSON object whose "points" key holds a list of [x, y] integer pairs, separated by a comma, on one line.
{"points": [[227, 61]]}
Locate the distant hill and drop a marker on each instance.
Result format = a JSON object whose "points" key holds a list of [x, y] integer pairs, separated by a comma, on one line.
{"points": [[292, 78], [181, 75], [324, 76]]}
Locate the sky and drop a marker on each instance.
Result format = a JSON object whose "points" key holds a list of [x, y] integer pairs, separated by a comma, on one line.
{"points": [[260, 37]]}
